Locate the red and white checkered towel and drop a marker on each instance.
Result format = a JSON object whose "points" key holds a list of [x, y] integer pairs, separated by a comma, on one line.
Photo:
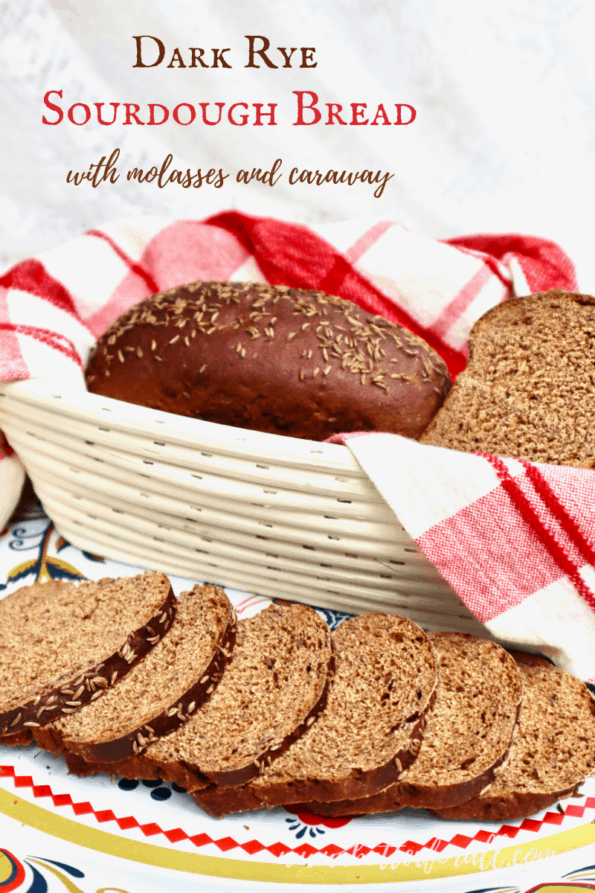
{"points": [[515, 539]]}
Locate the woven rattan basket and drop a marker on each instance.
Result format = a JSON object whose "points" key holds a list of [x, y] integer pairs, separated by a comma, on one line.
{"points": [[274, 515]]}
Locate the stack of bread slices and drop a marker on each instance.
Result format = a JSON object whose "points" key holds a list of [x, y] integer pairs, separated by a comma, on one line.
{"points": [[122, 677]]}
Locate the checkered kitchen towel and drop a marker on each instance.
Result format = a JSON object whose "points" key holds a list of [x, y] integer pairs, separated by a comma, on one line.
{"points": [[515, 539]]}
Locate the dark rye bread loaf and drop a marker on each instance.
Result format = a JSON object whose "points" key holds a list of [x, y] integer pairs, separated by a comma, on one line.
{"points": [[369, 731], [161, 692], [527, 390], [552, 751], [273, 359], [467, 736], [62, 643], [269, 690]]}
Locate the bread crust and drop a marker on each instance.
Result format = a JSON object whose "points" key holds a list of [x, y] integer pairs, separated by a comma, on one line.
{"points": [[273, 359], [524, 791], [184, 776], [394, 664], [463, 658], [113, 750], [194, 776], [500, 809], [74, 690], [219, 801]]}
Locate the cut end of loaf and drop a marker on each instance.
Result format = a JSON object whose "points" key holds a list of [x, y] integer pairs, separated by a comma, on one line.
{"points": [[527, 390]]}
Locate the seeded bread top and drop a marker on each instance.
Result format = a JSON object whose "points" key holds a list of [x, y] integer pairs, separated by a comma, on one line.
{"points": [[173, 667], [270, 358], [51, 632], [385, 677], [276, 676], [527, 390]]}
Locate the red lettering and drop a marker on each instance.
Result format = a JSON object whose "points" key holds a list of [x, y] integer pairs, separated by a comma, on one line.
{"points": [[152, 107], [52, 107], [403, 105], [231, 118], [357, 110], [380, 112], [204, 106], [333, 113], [81, 105], [176, 113], [260, 114], [132, 110], [302, 107], [99, 106]]}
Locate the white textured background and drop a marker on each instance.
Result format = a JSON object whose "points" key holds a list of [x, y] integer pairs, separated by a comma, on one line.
{"points": [[504, 139]]}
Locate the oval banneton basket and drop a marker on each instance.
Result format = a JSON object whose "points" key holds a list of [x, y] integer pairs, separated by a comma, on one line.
{"points": [[278, 516]]}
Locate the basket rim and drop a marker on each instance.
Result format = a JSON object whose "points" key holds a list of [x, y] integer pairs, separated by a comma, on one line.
{"points": [[68, 400]]}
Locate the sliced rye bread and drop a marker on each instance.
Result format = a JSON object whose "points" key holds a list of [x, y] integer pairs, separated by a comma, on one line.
{"points": [[369, 731], [552, 751], [62, 644], [527, 390], [161, 692], [468, 733], [269, 691]]}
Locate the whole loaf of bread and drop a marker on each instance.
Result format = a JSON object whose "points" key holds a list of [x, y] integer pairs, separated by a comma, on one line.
{"points": [[274, 359]]}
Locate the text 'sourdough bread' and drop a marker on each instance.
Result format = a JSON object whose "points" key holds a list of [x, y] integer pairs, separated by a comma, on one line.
{"points": [[62, 644], [275, 359], [370, 729], [161, 692], [528, 389], [468, 733], [552, 750]]}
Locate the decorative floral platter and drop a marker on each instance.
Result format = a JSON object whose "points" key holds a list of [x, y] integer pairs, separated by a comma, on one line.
{"points": [[59, 832]]}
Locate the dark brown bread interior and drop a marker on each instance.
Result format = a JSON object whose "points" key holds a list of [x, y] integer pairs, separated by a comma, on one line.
{"points": [[161, 692], [372, 724], [62, 644], [552, 751], [468, 732], [273, 359], [270, 688], [527, 390]]}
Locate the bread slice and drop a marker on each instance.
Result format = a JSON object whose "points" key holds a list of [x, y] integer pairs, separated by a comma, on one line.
{"points": [[552, 751], [468, 734], [527, 390], [62, 644], [161, 692], [370, 729], [273, 683]]}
